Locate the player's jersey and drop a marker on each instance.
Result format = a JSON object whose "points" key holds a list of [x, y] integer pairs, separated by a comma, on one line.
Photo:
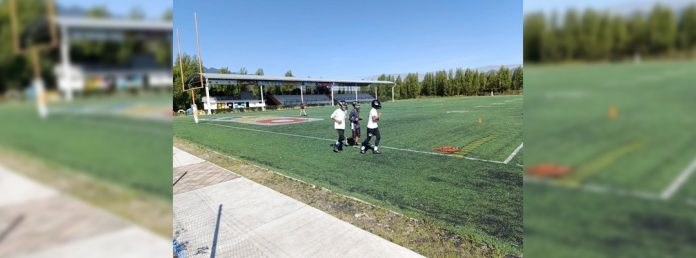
{"points": [[339, 114], [354, 117], [371, 123]]}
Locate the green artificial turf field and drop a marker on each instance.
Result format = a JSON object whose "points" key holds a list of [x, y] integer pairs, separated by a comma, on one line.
{"points": [[626, 133], [478, 196], [108, 138]]}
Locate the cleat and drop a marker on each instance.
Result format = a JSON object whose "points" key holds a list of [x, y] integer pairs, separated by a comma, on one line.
{"points": [[376, 152]]}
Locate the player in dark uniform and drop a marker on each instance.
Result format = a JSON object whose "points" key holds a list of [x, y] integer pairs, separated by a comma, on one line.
{"points": [[354, 119]]}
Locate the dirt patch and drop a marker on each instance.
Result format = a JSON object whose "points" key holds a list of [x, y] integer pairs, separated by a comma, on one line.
{"points": [[420, 235]]}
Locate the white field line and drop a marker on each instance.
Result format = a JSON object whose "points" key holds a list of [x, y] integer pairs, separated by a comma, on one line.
{"points": [[679, 181], [691, 202], [596, 189], [333, 140], [512, 155]]}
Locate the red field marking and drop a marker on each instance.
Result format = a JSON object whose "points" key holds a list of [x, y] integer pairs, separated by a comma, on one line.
{"points": [[549, 170]]}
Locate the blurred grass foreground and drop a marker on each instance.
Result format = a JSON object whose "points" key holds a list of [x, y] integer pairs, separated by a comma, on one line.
{"points": [[610, 148], [107, 137]]}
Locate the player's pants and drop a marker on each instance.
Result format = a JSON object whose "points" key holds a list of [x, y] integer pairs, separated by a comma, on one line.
{"points": [[341, 138], [372, 132], [303, 112], [356, 130]]}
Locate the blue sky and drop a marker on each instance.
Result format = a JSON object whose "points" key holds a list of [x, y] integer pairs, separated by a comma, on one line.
{"points": [[352, 39], [153, 9]]}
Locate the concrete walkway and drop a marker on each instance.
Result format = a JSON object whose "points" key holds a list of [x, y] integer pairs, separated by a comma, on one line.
{"points": [[37, 221], [218, 211]]}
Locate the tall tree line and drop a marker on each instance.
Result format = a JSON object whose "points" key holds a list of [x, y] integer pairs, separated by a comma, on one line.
{"points": [[593, 35], [453, 82], [457, 82]]}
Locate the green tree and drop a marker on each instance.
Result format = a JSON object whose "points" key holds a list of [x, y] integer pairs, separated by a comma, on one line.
{"points": [[589, 35], [620, 37], [518, 78], [687, 28], [458, 81], [662, 29], [98, 12], [440, 83], [492, 81], [469, 82], [259, 71], [504, 79], [569, 34], [136, 14], [427, 85], [605, 39], [550, 45], [638, 42], [182, 99], [534, 29], [412, 85], [398, 88], [168, 15]]}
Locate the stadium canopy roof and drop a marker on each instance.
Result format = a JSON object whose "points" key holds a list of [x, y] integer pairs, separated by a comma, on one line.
{"points": [[218, 78], [103, 29], [122, 24], [193, 81]]}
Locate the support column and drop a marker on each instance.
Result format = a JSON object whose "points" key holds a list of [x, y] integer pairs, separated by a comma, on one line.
{"points": [[332, 95], [356, 93], [65, 63], [392, 93], [263, 103], [207, 96], [302, 93], [376, 93]]}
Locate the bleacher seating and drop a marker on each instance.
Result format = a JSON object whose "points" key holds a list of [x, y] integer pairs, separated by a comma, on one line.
{"points": [[244, 95], [350, 97], [294, 100]]}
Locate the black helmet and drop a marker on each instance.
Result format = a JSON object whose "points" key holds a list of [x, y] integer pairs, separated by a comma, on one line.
{"points": [[376, 104], [356, 104], [342, 103]]}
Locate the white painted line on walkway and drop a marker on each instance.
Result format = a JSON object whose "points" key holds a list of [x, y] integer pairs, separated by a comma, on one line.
{"points": [[512, 155], [679, 181]]}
